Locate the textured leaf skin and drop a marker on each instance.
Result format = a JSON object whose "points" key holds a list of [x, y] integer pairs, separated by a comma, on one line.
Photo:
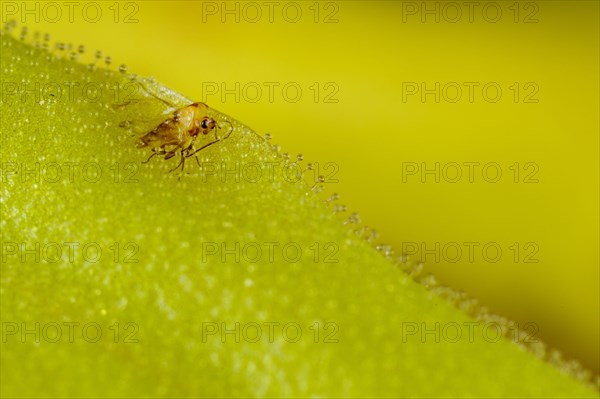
{"points": [[176, 287]]}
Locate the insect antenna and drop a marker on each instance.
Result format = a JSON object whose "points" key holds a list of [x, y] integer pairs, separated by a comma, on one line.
{"points": [[229, 131], [151, 156]]}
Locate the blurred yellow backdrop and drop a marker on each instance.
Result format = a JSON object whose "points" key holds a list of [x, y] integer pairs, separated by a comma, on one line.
{"points": [[389, 90]]}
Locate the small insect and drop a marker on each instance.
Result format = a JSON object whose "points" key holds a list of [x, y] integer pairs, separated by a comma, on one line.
{"points": [[178, 133]]}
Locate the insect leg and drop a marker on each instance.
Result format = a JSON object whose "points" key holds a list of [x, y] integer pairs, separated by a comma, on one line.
{"points": [[201, 148], [171, 154], [181, 163], [148, 160], [155, 152], [190, 148]]}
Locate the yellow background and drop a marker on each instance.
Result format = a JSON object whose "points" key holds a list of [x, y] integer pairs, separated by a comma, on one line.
{"points": [[368, 54]]}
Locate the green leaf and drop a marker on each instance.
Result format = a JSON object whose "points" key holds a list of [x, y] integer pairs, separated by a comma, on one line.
{"points": [[182, 272]]}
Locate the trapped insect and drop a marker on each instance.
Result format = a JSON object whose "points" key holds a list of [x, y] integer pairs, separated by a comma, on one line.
{"points": [[178, 134]]}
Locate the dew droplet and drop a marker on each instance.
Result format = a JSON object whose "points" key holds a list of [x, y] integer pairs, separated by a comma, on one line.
{"points": [[320, 179], [429, 281], [416, 270], [333, 197], [360, 232], [339, 208], [123, 68], [388, 252], [354, 218], [81, 49], [372, 236], [9, 25], [268, 136]]}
